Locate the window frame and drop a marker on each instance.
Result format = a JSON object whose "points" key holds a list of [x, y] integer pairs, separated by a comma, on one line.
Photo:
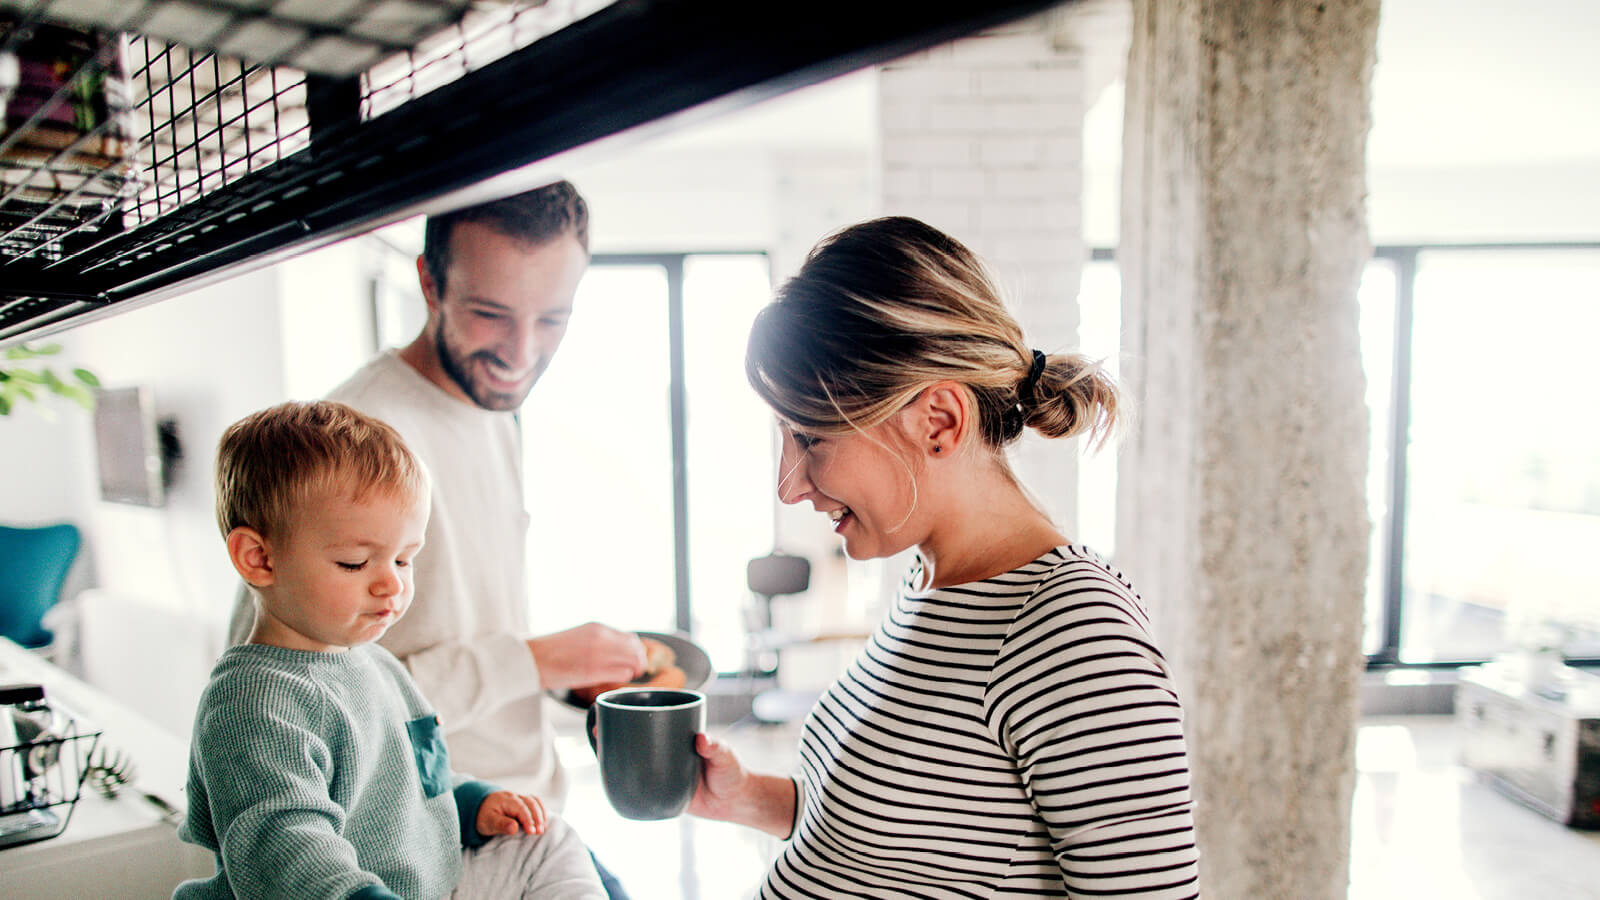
{"points": [[674, 264], [1404, 258]]}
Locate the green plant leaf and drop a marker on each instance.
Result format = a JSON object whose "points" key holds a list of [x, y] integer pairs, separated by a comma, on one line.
{"points": [[77, 394], [5, 405], [27, 375], [53, 381], [23, 351], [87, 377]]}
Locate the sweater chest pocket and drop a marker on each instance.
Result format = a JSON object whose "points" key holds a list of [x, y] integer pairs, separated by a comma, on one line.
{"points": [[433, 760]]}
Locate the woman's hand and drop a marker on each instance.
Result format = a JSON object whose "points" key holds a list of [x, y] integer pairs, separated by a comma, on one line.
{"points": [[730, 793], [505, 812], [722, 781]]}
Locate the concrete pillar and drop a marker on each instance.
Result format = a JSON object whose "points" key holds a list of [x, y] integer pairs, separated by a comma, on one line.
{"points": [[983, 138], [1242, 513]]}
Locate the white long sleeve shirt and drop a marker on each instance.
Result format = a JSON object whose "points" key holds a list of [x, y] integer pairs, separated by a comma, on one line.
{"points": [[464, 638]]}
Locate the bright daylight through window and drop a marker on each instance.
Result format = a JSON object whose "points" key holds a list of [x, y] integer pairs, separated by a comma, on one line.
{"points": [[599, 453], [1480, 360]]}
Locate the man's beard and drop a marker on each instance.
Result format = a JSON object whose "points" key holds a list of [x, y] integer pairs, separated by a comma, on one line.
{"points": [[459, 368]]}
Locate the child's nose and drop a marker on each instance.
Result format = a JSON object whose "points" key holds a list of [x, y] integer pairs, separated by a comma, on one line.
{"points": [[387, 583]]}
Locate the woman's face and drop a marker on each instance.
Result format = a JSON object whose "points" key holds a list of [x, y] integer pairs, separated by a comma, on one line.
{"points": [[863, 481]]}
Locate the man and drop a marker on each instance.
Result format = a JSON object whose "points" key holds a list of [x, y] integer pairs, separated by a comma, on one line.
{"points": [[499, 281]]}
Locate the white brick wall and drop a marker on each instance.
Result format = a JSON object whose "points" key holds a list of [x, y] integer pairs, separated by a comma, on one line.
{"points": [[983, 138]]}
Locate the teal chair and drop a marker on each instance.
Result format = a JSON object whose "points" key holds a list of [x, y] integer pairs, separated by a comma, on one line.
{"points": [[33, 565]]}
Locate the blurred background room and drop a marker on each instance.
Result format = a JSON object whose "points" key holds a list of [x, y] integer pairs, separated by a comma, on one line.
{"points": [[1477, 306]]}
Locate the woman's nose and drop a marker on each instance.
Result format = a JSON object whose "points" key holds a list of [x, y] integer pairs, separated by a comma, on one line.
{"points": [[793, 480]]}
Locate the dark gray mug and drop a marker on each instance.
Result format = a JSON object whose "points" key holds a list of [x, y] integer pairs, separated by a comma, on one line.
{"points": [[644, 739]]}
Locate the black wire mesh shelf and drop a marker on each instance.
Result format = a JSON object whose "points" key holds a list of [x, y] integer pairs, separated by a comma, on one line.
{"points": [[219, 154], [40, 782]]}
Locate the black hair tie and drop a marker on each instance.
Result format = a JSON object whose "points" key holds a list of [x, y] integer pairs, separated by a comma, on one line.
{"points": [[1025, 391], [1011, 423]]}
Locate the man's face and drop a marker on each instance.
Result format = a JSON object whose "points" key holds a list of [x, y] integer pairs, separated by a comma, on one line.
{"points": [[502, 313]]}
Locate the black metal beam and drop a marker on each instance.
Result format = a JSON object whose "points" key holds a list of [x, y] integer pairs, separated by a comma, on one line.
{"points": [[630, 64]]}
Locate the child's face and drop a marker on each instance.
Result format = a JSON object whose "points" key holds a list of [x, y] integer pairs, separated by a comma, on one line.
{"points": [[342, 574]]}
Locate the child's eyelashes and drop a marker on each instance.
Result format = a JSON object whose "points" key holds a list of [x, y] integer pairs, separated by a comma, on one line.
{"points": [[806, 441], [358, 566]]}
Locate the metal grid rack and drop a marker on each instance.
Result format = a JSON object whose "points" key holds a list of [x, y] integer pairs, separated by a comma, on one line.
{"points": [[329, 37], [43, 780], [62, 163], [238, 162]]}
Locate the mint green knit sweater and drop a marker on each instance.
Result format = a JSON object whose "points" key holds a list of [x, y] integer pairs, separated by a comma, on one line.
{"points": [[323, 775]]}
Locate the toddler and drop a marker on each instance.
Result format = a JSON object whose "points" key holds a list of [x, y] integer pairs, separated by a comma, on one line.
{"points": [[317, 768]]}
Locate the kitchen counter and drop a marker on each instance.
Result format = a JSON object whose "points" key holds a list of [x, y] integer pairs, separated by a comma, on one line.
{"points": [[118, 848]]}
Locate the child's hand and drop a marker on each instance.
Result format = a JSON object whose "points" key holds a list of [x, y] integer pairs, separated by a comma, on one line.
{"points": [[505, 812]]}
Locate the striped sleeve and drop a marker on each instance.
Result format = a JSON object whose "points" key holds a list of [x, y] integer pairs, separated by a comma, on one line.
{"points": [[1084, 703]]}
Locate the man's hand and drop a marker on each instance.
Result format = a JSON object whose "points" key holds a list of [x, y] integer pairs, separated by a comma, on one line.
{"points": [[588, 654], [504, 812]]}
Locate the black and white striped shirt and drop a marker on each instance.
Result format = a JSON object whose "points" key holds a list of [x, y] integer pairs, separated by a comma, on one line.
{"points": [[1014, 737]]}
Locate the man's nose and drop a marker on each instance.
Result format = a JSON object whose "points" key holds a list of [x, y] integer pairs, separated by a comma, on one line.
{"points": [[519, 346]]}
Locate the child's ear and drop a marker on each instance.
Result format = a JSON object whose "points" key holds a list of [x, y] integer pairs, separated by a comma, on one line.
{"points": [[250, 555]]}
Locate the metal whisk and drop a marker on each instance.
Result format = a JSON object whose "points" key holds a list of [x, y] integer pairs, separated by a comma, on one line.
{"points": [[111, 770]]}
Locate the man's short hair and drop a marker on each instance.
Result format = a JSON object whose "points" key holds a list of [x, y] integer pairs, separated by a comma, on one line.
{"points": [[272, 463], [535, 217]]}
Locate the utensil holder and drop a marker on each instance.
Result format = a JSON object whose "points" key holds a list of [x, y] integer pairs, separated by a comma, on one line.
{"points": [[41, 780]]}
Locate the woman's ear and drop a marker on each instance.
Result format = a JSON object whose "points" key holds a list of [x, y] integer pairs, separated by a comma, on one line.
{"points": [[942, 419], [251, 556]]}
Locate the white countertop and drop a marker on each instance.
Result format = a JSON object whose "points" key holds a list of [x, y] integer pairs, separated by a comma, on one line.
{"points": [[118, 848]]}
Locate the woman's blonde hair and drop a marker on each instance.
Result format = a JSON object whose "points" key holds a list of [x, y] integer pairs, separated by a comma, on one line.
{"points": [[883, 309], [273, 463]]}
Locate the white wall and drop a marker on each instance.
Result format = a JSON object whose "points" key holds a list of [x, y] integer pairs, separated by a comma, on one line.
{"points": [[164, 583], [1485, 204], [208, 358], [43, 450], [680, 199], [327, 324]]}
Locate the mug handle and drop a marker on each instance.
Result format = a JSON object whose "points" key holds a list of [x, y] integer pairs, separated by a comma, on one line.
{"points": [[588, 728]]}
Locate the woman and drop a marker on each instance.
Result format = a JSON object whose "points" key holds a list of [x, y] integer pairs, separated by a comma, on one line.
{"points": [[1010, 729]]}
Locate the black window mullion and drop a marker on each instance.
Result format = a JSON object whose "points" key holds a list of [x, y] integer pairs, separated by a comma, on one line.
{"points": [[1405, 274], [680, 441]]}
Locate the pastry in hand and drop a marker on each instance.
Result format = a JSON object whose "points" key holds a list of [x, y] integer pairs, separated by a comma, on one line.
{"points": [[660, 671]]}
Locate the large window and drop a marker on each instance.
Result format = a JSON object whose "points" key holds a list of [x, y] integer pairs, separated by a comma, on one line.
{"points": [[1501, 474], [649, 460], [1480, 369], [1099, 337]]}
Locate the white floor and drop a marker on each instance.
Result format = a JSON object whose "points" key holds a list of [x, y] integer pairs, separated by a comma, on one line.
{"points": [[1423, 827]]}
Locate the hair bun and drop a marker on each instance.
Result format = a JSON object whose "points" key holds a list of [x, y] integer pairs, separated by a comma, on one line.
{"points": [[1073, 395]]}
